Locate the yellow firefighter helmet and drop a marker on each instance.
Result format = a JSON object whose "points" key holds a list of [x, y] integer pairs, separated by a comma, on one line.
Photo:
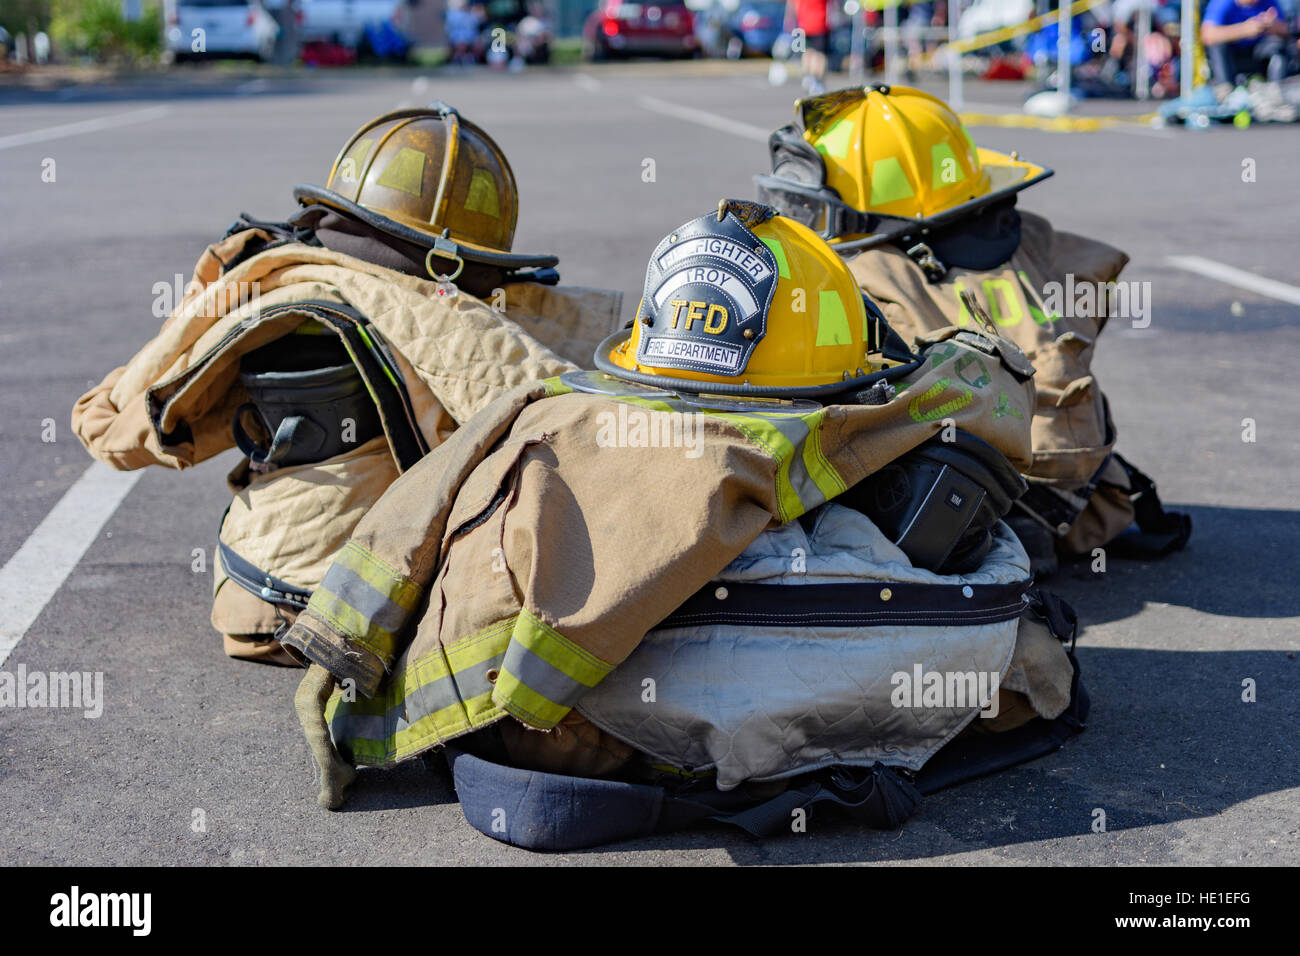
{"points": [[860, 157], [743, 301]]}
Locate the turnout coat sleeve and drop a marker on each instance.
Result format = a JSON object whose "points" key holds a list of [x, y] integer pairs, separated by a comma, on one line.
{"points": [[173, 402], [515, 566]]}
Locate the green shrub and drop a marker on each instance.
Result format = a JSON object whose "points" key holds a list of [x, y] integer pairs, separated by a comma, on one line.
{"points": [[97, 29]]}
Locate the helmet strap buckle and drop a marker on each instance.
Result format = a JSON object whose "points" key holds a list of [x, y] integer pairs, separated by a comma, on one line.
{"points": [[924, 257], [444, 248]]}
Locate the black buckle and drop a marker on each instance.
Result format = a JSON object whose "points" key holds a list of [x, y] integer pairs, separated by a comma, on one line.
{"points": [[924, 257]]}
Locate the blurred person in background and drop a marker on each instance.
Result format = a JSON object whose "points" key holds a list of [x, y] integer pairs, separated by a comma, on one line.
{"points": [[1244, 38], [810, 17], [463, 26], [921, 16]]}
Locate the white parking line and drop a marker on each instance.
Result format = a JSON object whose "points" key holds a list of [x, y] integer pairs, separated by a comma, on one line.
{"points": [[1238, 277], [702, 118], [38, 569], [84, 126]]}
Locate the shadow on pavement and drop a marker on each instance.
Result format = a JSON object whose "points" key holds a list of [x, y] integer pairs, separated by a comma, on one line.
{"points": [[1217, 574]]}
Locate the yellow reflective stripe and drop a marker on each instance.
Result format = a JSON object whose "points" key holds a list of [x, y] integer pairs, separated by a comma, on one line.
{"points": [[519, 700], [358, 628], [544, 673], [820, 469], [557, 650], [380, 575], [555, 387], [832, 320], [778, 250], [442, 725], [760, 430], [398, 722], [889, 182], [366, 600], [767, 437]]}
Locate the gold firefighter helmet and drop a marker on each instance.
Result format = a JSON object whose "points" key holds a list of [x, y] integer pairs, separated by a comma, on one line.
{"points": [[743, 301], [432, 178], [884, 160]]}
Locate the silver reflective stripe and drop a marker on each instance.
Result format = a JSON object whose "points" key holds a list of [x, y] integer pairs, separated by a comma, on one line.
{"points": [[541, 677], [437, 695], [358, 594]]}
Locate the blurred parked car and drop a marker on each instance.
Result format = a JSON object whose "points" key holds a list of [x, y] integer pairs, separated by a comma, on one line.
{"points": [[198, 28], [616, 28], [367, 27], [758, 24]]}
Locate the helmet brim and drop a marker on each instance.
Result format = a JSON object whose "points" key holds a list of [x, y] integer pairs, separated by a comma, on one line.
{"points": [[1006, 178], [309, 195], [696, 387]]}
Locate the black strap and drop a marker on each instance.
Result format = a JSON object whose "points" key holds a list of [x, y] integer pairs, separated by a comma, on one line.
{"points": [[857, 604], [293, 430], [924, 257], [1059, 616], [369, 352], [1159, 532], [258, 582], [282, 234]]}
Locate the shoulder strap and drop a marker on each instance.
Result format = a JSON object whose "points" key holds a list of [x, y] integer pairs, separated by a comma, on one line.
{"points": [[301, 227]]}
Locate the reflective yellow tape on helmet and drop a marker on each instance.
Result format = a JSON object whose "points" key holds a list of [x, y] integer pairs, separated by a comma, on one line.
{"points": [[889, 182], [482, 196], [832, 320], [838, 139], [778, 250], [944, 168], [405, 172]]}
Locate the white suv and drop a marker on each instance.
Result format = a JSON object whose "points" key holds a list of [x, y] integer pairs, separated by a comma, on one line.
{"points": [[197, 28]]}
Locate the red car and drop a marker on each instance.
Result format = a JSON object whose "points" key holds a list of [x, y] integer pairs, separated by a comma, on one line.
{"points": [[656, 29]]}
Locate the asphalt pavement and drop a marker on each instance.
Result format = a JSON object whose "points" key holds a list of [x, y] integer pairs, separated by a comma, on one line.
{"points": [[108, 192]]}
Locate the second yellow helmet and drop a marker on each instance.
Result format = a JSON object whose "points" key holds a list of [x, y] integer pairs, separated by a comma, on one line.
{"points": [[857, 158], [746, 302]]}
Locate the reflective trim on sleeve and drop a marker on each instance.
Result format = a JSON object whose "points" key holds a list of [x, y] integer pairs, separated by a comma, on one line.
{"points": [[368, 602], [544, 673]]}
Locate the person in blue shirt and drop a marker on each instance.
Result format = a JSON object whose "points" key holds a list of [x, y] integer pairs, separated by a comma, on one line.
{"points": [[1246, 37]]}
